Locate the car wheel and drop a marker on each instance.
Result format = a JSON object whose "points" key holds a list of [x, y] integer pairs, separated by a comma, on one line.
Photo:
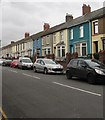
{"points": [[91, 79], [45, 71], [68, 75], [34, 69]]}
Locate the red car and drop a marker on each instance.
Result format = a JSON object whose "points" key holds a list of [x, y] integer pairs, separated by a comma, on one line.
{"points": [[14, 63]]}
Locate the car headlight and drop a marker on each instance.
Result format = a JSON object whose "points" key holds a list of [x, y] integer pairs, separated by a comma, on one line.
{"points": [[99, 72]]}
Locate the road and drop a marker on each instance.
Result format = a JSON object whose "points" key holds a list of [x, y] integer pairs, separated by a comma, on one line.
{"points": [[26, 94]]}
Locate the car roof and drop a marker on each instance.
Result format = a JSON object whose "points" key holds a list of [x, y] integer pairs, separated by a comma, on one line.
{"points": [[24, 58], [43, 59]]}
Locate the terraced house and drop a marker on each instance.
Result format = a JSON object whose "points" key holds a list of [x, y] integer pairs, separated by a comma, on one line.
{"points": [[98, 31], [81, 32]]}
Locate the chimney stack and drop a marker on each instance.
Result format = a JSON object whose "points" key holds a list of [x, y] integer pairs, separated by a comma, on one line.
{"points": [[12, 42], [27, 34], [68, 17], [86, 9], [46, 26]]}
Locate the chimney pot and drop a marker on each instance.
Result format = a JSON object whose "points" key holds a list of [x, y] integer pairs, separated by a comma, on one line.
{"points": [[86, 9], [27, 34], [68, 17], [46, 26]]}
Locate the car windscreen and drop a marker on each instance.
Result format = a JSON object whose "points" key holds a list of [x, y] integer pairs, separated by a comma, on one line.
{"points": [[49, 62], [26, 60], [93, 63]]}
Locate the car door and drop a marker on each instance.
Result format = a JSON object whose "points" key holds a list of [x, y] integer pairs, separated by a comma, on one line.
{"points": [[82, 69], [42, 65], [73, 67]]}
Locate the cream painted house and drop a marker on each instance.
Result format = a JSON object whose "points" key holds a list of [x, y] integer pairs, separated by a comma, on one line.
{"points": [[98, 35]]}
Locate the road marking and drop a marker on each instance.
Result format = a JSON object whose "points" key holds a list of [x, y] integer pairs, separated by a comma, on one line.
{"points": [[89, 92], [31, 76], [14, 71], [4, 117]]}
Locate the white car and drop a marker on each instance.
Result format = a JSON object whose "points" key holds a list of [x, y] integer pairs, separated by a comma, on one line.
{"points": [[47, 66], [25, 63]]}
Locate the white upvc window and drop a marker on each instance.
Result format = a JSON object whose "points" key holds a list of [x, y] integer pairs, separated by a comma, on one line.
{"points": [[62, 35], [95, 24], [47, 51], [81, 49], [61, 51], [71, 34], [48, 39], [54, 38], [81, 31]]}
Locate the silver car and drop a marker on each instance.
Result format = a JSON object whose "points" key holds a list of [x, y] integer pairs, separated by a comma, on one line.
{"points": [[47, 66]]}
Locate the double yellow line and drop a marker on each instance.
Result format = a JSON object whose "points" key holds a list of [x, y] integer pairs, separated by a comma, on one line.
{"points": [[3, 115]]}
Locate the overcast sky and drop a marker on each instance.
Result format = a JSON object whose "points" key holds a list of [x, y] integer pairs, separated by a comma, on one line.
{"points": [[28, 16]]}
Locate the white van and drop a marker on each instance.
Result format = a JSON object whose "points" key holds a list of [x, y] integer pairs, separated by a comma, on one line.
{"points": [[25, 63]]}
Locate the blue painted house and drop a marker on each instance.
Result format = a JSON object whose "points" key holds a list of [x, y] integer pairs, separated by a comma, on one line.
{"points": [[37, 44], [79, 33], [79, 38]]}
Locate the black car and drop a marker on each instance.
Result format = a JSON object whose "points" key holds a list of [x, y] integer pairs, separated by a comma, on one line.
{"points": [[90, 69]]}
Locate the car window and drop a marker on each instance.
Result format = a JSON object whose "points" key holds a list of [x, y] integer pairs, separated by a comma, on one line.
{"points": [[38, 61], [26, 60], [42, 62], [50, 62], [81, 63], [74, 63]]}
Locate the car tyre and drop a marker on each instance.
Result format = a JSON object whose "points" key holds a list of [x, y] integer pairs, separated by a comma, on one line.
{"points": [[68, 75], [34, 69], [91, 79], [45, 71]]}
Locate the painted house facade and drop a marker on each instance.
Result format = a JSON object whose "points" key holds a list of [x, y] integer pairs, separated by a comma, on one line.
{"points": [[37, 43], [98, 32], [79, 34]]}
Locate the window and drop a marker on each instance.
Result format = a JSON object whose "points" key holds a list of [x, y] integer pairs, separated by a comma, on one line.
{"points": [[95, 24], [54, 38], [80, 48], [47, 51], [71, 34], [77, 48], [58, 51], [61, 51], [47, 40], [73, 63], [83, 49], [61, 36], [81, 31], [103, 44], [23, 46]]}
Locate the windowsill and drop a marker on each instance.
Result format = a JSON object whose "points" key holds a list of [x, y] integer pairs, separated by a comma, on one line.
{"points": [[81, 37], [95, 34]]}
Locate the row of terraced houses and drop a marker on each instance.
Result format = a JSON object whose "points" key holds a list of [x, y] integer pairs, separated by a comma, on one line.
{"points": [[84, 35]]}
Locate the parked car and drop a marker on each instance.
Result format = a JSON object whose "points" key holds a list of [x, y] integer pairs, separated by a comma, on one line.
{"points": [[6, 62], [1, 61], [47, 66], [14, 63], [92, 70], [25, 63]]}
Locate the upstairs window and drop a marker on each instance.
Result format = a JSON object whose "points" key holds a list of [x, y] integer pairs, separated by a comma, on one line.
{"points": [[71, 34], [95, 25], [54, 38], [61, 36], [81, 31]]}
